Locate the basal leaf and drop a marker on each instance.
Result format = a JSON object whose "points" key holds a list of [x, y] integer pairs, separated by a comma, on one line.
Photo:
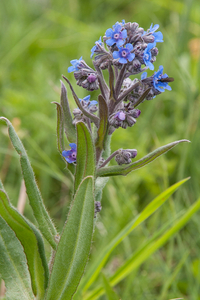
{"points": [[74, 246], [32, 243], [95, 269], [125, 169], [45, 224], [70, 129], [85, 161], [13, 265]]}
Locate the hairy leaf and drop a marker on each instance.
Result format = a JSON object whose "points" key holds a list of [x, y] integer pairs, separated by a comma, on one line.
{"points": [[70, 129], [94, 118], [85, 154], [13, 265], [60, 140], [45, 224], [74, 246], [125, 169], [103, 114], [32, 243]]}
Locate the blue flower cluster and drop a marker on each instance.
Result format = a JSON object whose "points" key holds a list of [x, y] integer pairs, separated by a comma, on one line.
{"points": [[126, 49]]}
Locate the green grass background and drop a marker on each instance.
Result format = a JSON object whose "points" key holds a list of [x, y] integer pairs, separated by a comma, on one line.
{"points": [[37, 41]]}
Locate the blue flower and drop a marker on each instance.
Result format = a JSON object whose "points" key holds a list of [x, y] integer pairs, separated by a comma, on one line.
{"points": [[88, 102], [158, 84], [70, 155], [158, 36], [115, 35], [75, 65], [95, 48], [124, 54], [147, 56], [143, 75]]}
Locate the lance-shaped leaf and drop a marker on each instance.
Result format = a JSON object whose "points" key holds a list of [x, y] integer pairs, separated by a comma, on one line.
{"points": [[103, 114], [85, 160], [95, 269], [102, 84], [111, 82], [125, 169], [93, 118], [32, 243], [60, 140], [128, 91], [70, 129], [142, 97], [13, 265], [74, 246], [120, 80], [45, 224]]}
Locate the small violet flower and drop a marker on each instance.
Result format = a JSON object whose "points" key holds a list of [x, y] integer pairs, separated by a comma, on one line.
{"points": [[95, 48], [115, 35], [88, 102], [70, 155], [124, 54], [147, 56], [158, 84], [75, 65], [120, 116]]}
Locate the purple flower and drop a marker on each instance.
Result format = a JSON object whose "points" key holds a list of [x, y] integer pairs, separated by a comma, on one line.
{"points": [[115, 35], [70, 155], [95, 48], [124, 54], [147, 56], [158, 84], [87, 101], [120, 116], [75, 65]]}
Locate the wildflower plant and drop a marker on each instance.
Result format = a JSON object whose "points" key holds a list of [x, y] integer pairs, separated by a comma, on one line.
{"points": [[125, 50]]}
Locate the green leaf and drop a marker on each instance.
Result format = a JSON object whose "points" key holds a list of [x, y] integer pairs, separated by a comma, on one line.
{"points": [[85, 161], [111, 295], [13, 265], [60, 140], [45, 224], [74, 246], [103, 125], [95, 269], [70, 129], [32, 243], [147, 251], [94, 118], [125, 169]]}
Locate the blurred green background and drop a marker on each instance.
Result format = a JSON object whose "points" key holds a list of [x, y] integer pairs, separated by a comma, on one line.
{"points": [[38, 40]]}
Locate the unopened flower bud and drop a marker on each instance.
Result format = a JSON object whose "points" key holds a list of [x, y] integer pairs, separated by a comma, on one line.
{"points": [[148, 38], [154, 51], [124, 156]]}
